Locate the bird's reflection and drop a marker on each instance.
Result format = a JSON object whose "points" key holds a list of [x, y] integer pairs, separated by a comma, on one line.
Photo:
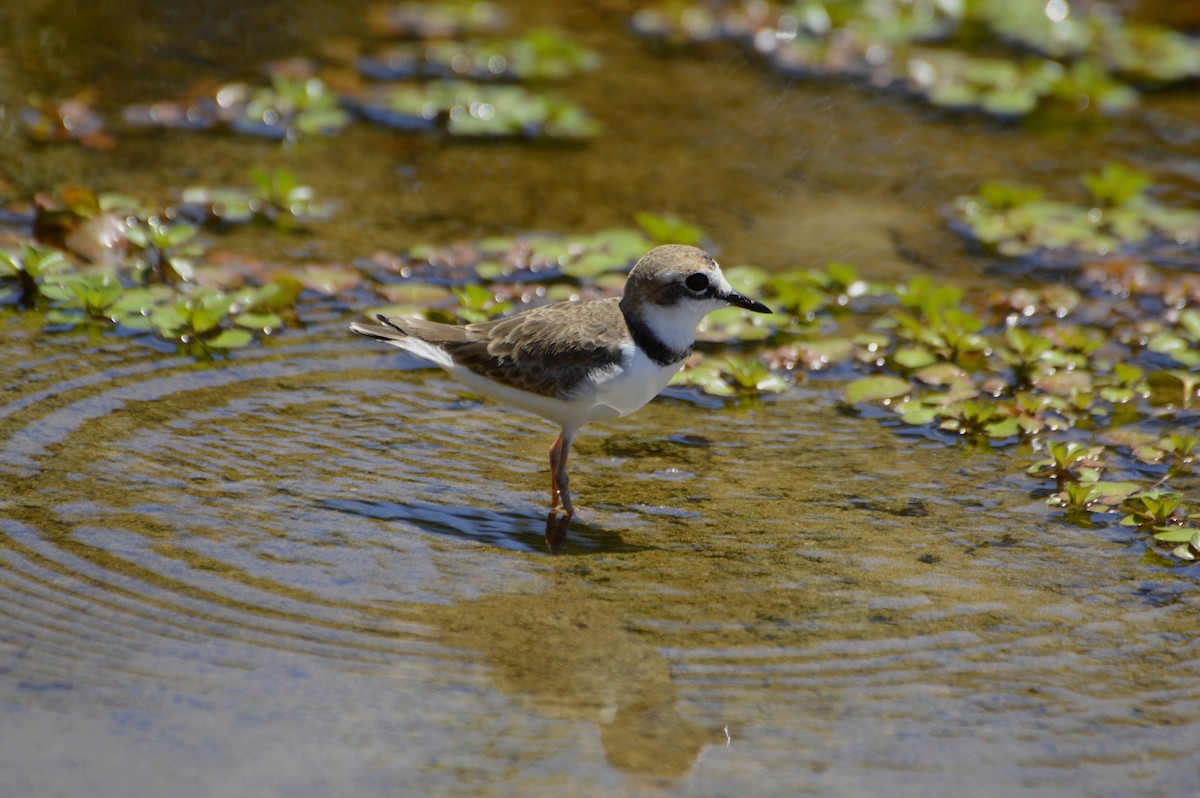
{"points": [[567, 655], [556, 531], [500, 528]]}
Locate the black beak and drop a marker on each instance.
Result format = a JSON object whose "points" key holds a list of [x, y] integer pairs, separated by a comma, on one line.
{"points": [[743, 301]]}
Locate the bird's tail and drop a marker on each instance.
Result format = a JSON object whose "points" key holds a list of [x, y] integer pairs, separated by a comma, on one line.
{"points": [[389, 332], [394, 334]]}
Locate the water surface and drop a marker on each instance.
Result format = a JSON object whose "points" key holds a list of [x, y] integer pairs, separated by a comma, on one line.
{"points": [[316, 569]]}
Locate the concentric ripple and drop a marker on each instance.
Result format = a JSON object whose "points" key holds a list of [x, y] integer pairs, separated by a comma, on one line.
{"points": [[308, 542], [158, 499]]}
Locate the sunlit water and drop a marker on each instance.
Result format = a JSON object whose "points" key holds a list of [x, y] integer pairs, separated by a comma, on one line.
{"points": [[316, 570], [315, 567]]}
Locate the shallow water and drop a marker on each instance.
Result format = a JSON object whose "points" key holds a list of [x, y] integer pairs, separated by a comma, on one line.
{"points": [[308, 570], [316, 569]]}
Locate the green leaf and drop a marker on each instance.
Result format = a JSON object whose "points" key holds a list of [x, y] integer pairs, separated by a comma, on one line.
{"points": [[229, 339], [940, 374], [918, 415], [842, 274], [707, 378], [1002, 429], [1184, 552], [1017, 101], [64, 316], [668, 229], [1116, 184], [258, 321], [1113, 493], [56, 292], [914, 357], [1190, 321], [592, 264], [10, 264], [1174, 534], [873, 389]]}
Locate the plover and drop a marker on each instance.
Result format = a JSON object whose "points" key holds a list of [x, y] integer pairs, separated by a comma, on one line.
{"points": [[577, 362]]}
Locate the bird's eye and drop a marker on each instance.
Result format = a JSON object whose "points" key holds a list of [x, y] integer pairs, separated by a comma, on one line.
{"points": [[697, 282]]}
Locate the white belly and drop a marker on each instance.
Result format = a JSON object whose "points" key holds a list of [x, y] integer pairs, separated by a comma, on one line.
{"points": [[621, 392], [612, 392]]}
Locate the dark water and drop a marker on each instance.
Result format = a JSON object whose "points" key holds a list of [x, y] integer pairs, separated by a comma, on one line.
{"points": [[314, 570]]}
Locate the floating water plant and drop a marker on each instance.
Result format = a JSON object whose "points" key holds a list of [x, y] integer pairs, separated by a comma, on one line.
{"points": [[277, 198], [1081, 58], [1122, 219], [165, 249], [299, 103], [143, 272], [22, 270], [476, 303], [584, 259], [73, 120], [472, 110], [1097, 371], [438, 20], [77, 298], [541, 55], [287, 109], [731, 376], [1068, 462]]}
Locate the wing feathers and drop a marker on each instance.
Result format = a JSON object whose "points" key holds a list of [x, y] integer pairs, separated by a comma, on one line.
{"points": [[550, 350]]}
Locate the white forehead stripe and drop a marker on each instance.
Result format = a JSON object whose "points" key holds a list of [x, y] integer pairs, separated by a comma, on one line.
{"points": [[723, 286]]}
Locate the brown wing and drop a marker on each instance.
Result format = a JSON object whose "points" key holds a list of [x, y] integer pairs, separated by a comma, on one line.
{"points": [[548, 350]]}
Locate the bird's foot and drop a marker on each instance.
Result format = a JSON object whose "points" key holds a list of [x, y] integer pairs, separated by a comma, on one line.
{"points": [[568, 508], [556, 531]]}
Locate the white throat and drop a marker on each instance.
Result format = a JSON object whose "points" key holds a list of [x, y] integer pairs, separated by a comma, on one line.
{"points": [[675, 325]]}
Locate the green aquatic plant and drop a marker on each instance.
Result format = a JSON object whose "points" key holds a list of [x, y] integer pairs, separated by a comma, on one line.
{"points": [[280, 198], [277, 197], [476, 303], [77, 298], [165, 248], [876, 388], [74, 120], [465, 88], [1122, 219], [939, 321], [542, 54], [1069, 462], [1076, 499], [1183, 532], [1030, 355], [1083, 59], [750, 375], [437, 20], [146, 276], [1093, 369], [1156, 509], [1181, 451], [1115, 184], [978, 419], [291, 108], [27, 267], [668, 229], [473, 110], [596, 259], [202, 318], [731, 376]]}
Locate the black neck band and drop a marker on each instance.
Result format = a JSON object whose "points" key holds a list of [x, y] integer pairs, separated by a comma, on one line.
{"points": [[651, 344]]}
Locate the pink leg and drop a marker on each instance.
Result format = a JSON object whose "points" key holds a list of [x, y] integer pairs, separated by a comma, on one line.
{"points": [[555, 455], [559, 481]]}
